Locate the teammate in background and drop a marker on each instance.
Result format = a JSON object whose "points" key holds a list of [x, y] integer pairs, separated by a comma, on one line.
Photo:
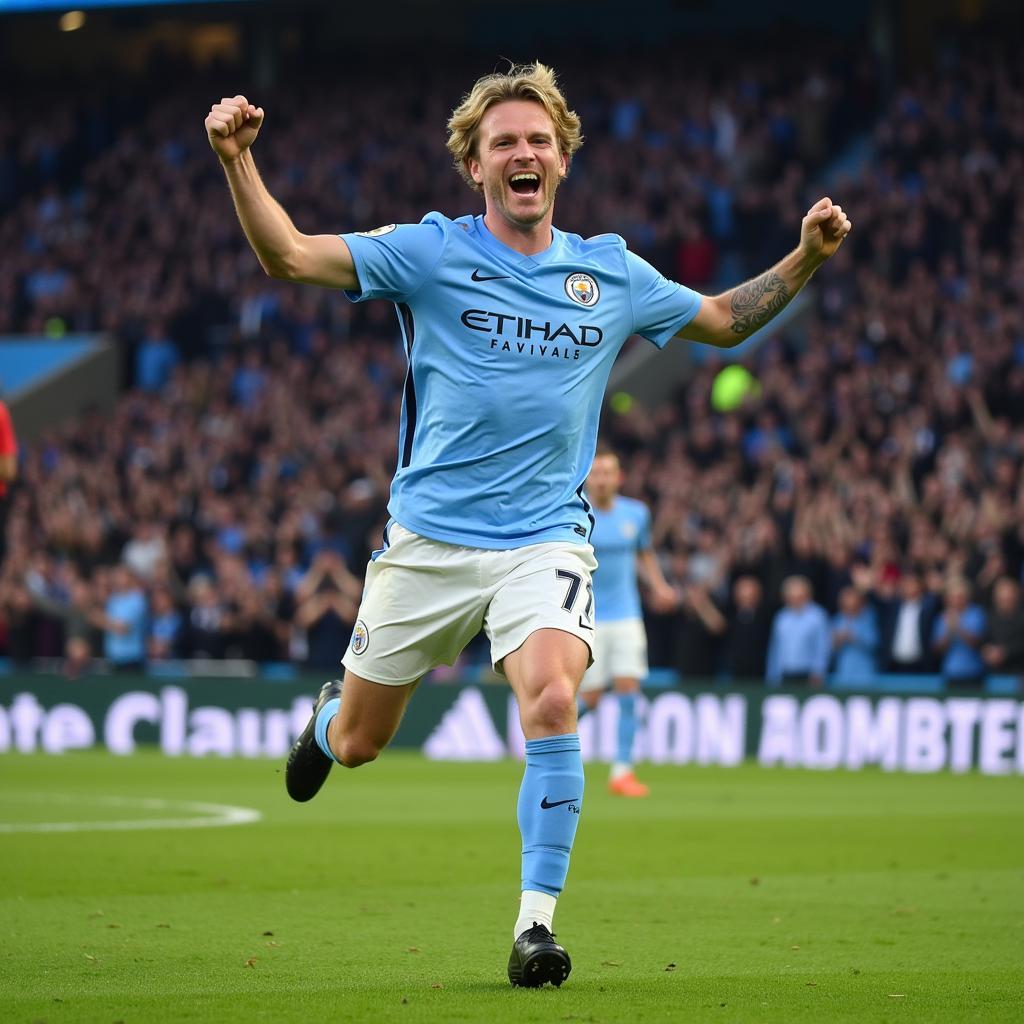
{"points": [[622, 544], [511, 328]]}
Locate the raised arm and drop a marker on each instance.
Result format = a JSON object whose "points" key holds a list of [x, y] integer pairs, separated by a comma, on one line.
{"points": [[283, 251], [727, 319]]}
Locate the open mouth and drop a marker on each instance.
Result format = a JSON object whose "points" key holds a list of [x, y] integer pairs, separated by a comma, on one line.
{"points": [[525, 183]]}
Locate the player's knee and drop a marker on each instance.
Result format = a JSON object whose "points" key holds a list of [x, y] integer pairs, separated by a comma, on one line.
{"points": [[352, 751], [554, 708]]}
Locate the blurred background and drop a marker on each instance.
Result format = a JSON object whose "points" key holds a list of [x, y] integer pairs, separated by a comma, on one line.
{"points": [[204, 454]]}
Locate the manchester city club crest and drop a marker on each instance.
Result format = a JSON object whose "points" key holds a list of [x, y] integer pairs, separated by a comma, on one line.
{"points": [[360, 637], [582, 288], [384, 229]]}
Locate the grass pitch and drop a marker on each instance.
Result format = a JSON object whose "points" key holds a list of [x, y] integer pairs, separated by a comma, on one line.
{"points": [[731, 895]]}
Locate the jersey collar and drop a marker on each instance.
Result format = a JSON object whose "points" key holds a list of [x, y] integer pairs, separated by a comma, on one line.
{"points": [[509, 255]]}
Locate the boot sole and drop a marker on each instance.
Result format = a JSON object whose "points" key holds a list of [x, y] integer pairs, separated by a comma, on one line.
{"points": [[541, 968]]}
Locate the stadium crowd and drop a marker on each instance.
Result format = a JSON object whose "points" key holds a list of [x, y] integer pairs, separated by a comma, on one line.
{"points": [[863, 510]]}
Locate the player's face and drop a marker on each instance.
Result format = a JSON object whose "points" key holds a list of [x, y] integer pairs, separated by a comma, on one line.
{"points": [[605, 477], [518, 163]]}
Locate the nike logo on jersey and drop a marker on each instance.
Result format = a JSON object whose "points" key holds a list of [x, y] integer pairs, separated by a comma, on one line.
{"points": [[476, 276], [558, 803]]}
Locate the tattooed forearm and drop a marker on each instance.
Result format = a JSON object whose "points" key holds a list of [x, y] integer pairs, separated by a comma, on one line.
{"points": [[757, 301]]}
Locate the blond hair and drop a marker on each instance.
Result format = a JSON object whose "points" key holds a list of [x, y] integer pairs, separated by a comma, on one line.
{"points": [[535, 82]]}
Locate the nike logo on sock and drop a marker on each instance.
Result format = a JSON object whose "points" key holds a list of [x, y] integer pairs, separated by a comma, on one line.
{"points": [[558, 803], [477, 276]]}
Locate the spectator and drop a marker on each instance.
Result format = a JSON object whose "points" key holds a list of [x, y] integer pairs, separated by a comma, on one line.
{"points": [[906, 627], [155, 359], [20, 618], [250, 380], [123, 621], [203, 632], [854, 639], [165, 626], [80, 642], [327, 602], [286, 563], [76, 610], [281, 603], [957, 636], [799, 648], [185, 562], [253, 627], [750, 623], [698, 634], [1003, 651], [145, 552]]}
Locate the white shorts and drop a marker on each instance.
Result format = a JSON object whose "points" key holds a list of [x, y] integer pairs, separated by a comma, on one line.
{"points": [[425, 600], [620, 652]]}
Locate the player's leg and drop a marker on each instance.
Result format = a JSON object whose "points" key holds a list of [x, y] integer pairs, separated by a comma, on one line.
{"points": [[598, 677], [417, 612], [540, 624], [628, 665], [365, 721], [352, 722], [623, 780], [544, 674]]}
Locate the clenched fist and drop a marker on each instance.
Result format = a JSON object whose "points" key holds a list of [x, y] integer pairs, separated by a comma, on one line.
{"points": [[823, 230], [232, 126]]}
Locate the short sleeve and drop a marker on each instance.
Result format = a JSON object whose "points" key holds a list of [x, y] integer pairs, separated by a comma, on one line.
{"points": [[643, 537], [393, 261], [661, 308]]}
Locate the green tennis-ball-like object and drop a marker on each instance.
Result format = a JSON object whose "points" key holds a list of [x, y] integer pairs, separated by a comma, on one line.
{"points": [[731, 386], [55, 327], [621, 403]]}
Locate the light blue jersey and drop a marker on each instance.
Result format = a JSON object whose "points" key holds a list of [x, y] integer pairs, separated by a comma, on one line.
{"points": [[509, 356], [620, 533]]}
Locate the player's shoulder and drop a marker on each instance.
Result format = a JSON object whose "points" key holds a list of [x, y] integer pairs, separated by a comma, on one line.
{"points": [[466, 228], [596, 247], [444, 224], [433, 223], [631, 506], [629, 510]]}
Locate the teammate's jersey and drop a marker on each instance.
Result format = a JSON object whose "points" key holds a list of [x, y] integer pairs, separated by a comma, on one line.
{"points": [[620, 533], [509, 356]]}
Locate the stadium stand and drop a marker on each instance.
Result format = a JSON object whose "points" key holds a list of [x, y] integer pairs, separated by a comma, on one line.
{"points": [[256, 442]]}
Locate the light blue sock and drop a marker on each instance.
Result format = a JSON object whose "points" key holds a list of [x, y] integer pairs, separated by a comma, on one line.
{"points": [[627, 728], [323, 719], [550, 801]]}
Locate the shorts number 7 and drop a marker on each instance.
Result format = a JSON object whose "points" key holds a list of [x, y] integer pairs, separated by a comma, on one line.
{"points": [[575, 582]]}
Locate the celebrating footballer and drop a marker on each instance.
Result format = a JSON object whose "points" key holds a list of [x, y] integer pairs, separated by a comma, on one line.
{"points": [[511, 328]]}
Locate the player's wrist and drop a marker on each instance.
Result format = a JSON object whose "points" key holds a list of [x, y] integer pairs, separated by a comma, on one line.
{"points": [[807, 260]]}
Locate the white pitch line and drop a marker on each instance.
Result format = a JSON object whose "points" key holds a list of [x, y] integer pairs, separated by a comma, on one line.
{"points": [[215, 816]]}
